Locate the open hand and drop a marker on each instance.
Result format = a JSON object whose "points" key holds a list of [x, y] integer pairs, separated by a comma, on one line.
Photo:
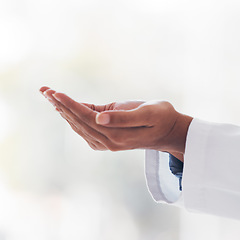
{"points": [[124, 126]]}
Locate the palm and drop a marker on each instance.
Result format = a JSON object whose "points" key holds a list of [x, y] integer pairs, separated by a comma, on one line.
{"points": [[128, 105]]}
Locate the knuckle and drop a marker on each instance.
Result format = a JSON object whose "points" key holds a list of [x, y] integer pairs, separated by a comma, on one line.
{"points": [[166, 105], [148, 109]]}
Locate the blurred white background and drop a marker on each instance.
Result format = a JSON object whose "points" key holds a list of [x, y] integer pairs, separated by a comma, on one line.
{"points": [[52, 185]]}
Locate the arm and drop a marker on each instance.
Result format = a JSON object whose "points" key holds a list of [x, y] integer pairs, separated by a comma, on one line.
{"points": [[211, 182]]}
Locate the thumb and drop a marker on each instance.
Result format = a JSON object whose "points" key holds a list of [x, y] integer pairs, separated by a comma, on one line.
{"points": [[138, 117]]}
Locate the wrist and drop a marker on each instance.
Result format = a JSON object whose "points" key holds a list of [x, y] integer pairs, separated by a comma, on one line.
{"points": [[176, 140], [177, 155]]}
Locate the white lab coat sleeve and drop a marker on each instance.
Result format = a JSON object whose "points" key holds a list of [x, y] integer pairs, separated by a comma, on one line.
{"points": [[211, 176], [161, 183]]}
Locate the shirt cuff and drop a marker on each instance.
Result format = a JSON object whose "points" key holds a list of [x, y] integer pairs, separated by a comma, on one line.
{"points": [[162, 184]]}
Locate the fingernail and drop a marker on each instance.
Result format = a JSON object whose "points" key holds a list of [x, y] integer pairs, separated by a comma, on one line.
{"points": [[102, 119]]}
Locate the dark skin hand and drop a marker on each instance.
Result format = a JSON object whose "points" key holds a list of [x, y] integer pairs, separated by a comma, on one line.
{"points": [[126, 125]]}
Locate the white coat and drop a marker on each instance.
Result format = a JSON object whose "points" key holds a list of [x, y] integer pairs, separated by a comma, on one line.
{"points": [[211, 175]]}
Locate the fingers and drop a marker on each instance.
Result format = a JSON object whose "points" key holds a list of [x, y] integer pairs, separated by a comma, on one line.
{"points": [[73, 116], [82, 128], [43, 89], [95, 139], [48, 94], [114, 130], [138, 117], [80, 110], [91, 136], [100, 108], [114, 139], [91, 142]]}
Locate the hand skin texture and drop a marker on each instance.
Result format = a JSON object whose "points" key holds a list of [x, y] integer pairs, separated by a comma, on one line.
{"points": [[124, 126]]}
